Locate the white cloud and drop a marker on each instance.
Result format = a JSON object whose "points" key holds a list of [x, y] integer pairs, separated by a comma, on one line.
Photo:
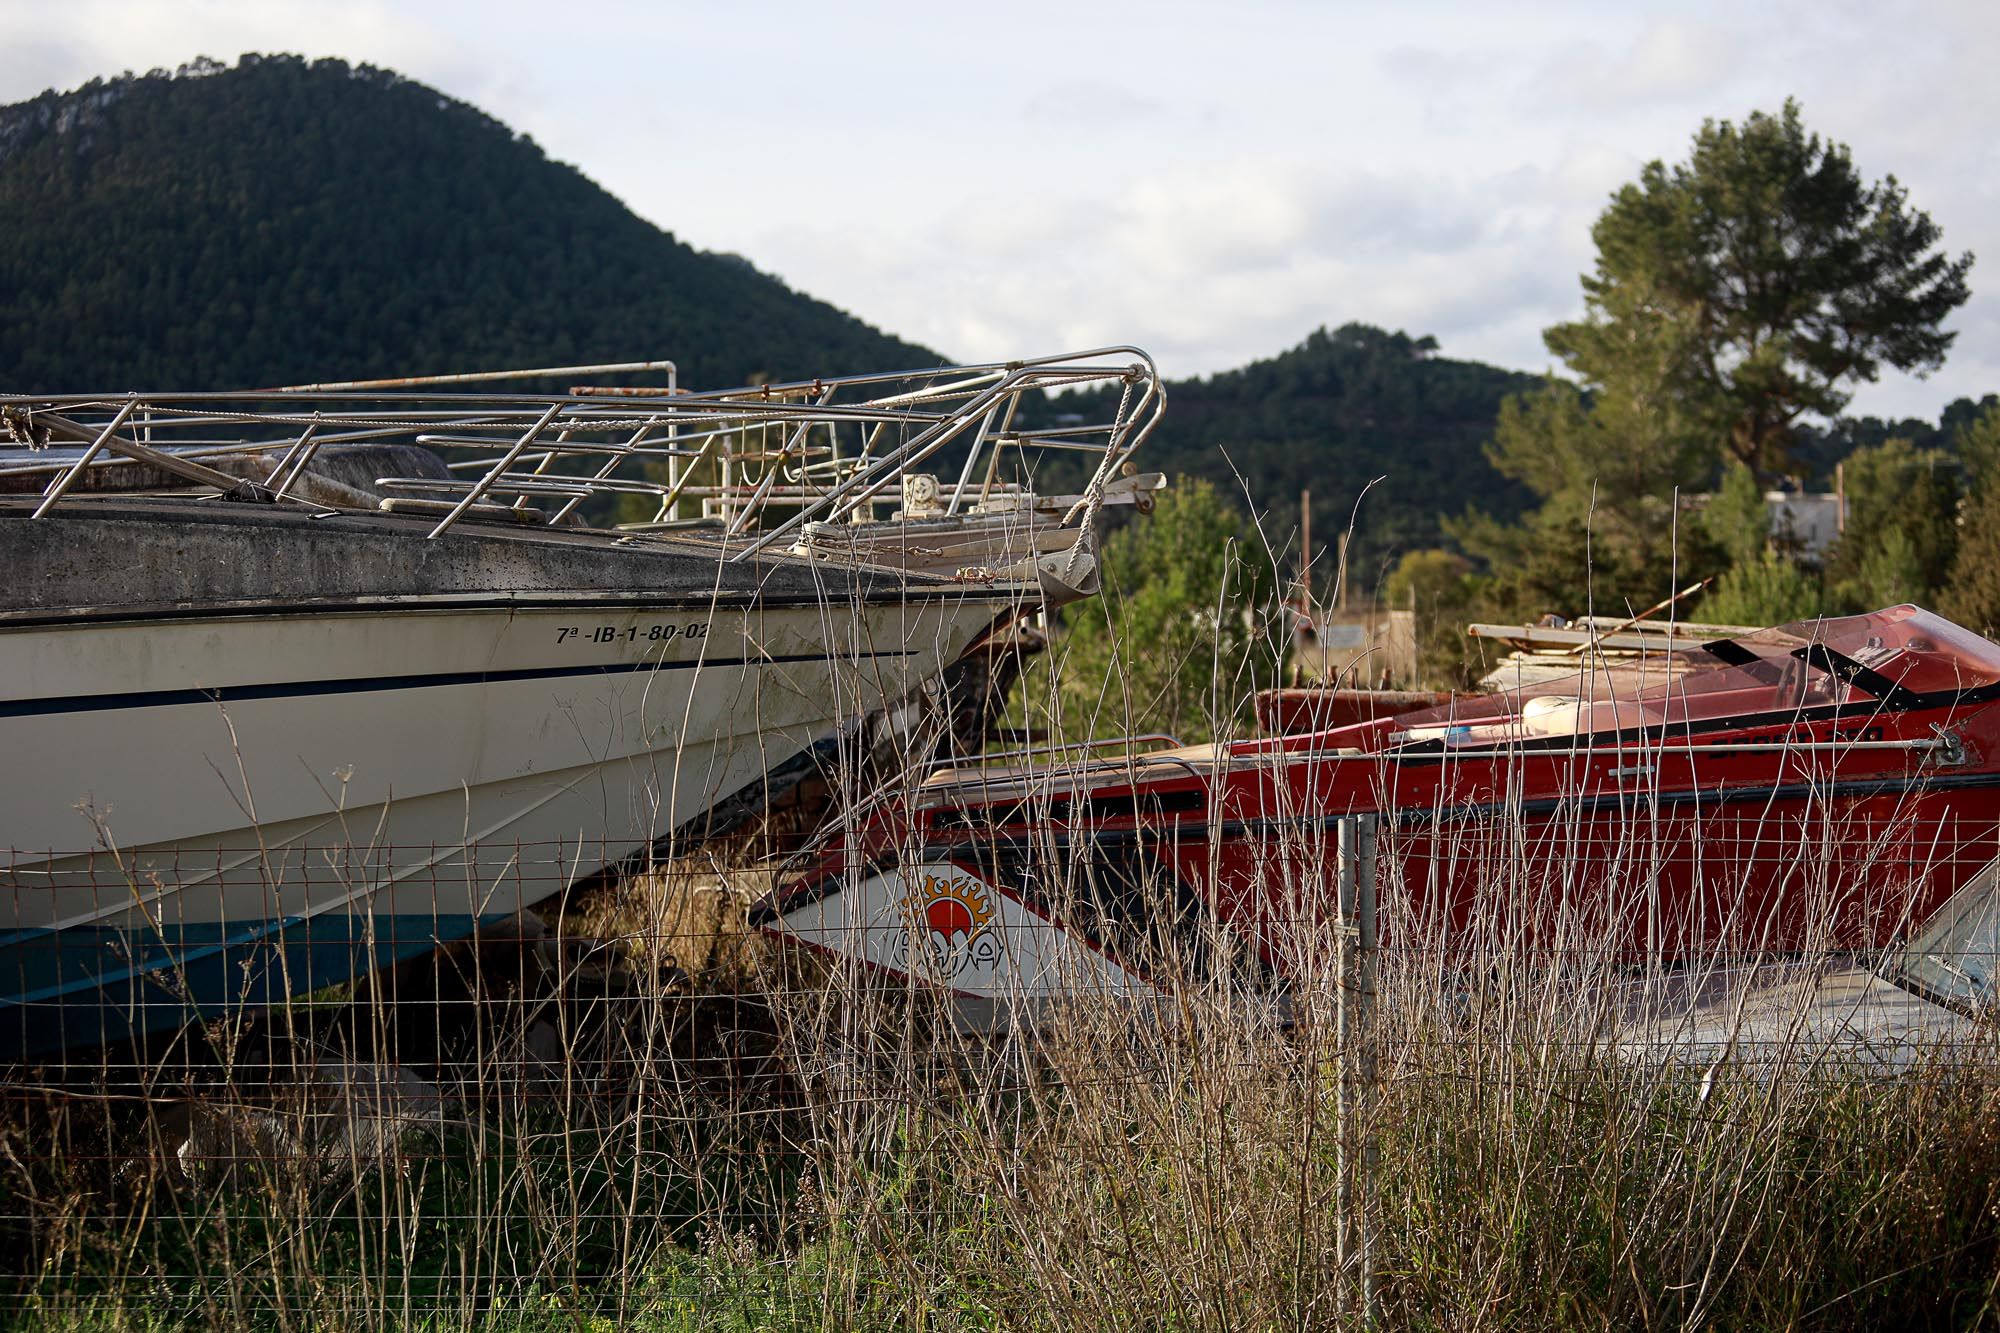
{"points": [[1212, 187], [100, 38], [1092, 104], [1668, 61], [1215, 269]]}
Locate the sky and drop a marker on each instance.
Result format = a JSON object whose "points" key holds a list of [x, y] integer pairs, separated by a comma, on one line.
{"points": [[1209, 181]]}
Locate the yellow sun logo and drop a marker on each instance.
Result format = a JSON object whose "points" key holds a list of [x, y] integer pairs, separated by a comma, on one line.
{"points": [[951, 908]]}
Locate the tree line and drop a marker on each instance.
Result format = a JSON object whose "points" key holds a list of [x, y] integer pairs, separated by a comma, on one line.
{"points": [[1738, 299], [284, 221]]}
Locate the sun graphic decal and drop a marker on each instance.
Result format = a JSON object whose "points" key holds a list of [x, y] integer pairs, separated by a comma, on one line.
{"points": [[947, 916]]}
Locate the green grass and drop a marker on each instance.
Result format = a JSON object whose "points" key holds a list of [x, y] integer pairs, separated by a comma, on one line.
{"points": [[815, 1154]]}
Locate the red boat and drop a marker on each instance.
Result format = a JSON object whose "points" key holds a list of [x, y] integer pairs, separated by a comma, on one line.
{"points": [[1821, 785], [1302, 708]]}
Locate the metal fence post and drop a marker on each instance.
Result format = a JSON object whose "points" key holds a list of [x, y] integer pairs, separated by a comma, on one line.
{"points": [[1353, 1027], [1364, 1035]]}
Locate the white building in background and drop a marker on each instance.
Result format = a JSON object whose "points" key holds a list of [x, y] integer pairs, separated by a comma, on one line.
{"points": [[1806, 521]]}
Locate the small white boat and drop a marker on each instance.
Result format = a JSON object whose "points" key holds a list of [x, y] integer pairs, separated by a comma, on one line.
{"points": [[257, 748]]}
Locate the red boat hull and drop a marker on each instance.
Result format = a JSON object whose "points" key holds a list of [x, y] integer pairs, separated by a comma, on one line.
{"points": [[1565, 863], [1303, 708], [1559, 864], [1799, 801]]}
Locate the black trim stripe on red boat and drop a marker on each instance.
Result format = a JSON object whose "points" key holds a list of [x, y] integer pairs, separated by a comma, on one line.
{"points": [[1645, 742], [1673, 734], [1182, 830], [94, 703], [1644, 797], [1145, 802]]}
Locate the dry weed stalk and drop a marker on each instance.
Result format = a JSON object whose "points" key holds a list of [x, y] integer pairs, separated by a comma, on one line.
{"points": [[640, 1112]]}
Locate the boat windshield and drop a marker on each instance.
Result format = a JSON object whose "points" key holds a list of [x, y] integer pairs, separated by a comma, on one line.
{"points": [[1883, 656]]}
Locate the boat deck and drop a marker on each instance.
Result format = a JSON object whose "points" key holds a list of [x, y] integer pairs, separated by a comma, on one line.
{"points": [[184, 550], [1843, 1014]]}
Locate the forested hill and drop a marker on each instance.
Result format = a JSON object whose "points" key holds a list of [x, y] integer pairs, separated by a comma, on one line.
{"points": [[280, 221], [1333, 414]]}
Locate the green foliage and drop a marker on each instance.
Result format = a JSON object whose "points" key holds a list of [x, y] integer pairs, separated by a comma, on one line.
{"points": [[1440, 587], [1890, 573], [284, 222], [1737, 518], [1902, 526], [1733, 294], [1425, 576], [1977, 443], [1817, 448], [1973, 595], [1769, 589], [1555, 561], [1614, 464], [1171, 644], [1335, 413], [1747, 286]]}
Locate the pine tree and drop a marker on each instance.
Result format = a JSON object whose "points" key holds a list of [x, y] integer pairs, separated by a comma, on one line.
{"points": [[1771, 589], [1757, 281], [1972, 594], [1901, 535]]}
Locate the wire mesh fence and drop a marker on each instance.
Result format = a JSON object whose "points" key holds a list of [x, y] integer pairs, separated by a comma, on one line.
{"points": [[1071, 1038], [629, 1102]]}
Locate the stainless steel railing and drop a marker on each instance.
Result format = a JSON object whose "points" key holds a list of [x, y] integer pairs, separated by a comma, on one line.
{"points": [[750, 467]]}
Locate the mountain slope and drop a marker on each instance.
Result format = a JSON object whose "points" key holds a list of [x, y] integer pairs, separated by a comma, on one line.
{"points": [[280, 221], [1332, 415]]}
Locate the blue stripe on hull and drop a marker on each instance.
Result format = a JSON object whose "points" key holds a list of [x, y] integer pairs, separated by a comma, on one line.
{"points": [[62, 990]]}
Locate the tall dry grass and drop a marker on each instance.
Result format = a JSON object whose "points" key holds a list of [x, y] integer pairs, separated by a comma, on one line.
{"points": [[1537, 1144], [647, 1116]]}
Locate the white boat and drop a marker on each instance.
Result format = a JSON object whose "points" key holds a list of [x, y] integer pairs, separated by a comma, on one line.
{"points": [[257, 748]]}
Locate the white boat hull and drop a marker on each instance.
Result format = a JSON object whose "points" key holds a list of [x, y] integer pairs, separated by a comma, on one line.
{"points": [[362, 783], [936, 924]]}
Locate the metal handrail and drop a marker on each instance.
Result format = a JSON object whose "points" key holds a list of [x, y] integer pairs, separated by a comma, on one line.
{"points": [[1108, 743], [767, 460]]}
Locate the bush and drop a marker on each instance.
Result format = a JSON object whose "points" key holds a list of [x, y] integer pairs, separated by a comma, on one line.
{"points": [[1174, 642]]}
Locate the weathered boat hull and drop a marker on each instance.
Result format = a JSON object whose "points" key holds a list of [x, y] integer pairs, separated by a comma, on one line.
{"points": [[1628, 870], [1297, 709], [283, 724], [1797, 805], [209, 808], [1617, 880]]}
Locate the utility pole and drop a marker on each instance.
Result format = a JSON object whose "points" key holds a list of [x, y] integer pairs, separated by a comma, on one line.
{"points": [[1342, 600], [1305, 549]]}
